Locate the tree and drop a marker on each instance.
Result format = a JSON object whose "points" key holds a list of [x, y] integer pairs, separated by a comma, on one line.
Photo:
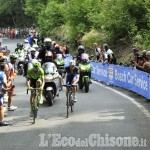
{"points": [[52, 16]]}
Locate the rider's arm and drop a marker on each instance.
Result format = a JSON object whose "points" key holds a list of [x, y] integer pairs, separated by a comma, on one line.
{"points": [[77, 79], [42, 78], [28, 79], [63, 76], [28, 83]]}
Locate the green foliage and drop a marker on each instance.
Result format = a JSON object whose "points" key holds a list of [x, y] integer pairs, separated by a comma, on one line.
{"points": [[123, 18], [34, 7], [51, 17], [146, 41], [93, 37], [86, 21]]}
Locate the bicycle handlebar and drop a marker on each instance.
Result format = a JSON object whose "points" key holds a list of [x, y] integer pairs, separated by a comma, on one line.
{"points": [[34, 89], [70, 85]]}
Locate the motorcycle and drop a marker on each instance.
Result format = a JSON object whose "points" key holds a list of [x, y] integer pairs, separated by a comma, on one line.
{"points": [[52, 82], [20, 63], [85, 72]]}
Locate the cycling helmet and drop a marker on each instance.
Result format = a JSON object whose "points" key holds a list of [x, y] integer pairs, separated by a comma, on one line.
{"points": [[35, 46], [32, 49], [36, 64], [13, 56], [4, 48], [72, 63], [26, 41], [18, 44]]}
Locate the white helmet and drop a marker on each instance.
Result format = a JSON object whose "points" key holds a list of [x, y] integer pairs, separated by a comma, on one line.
{"points": [[26, 41], [47, 40], [13, 56], [35, 46], [72, 62], [32, 49]]}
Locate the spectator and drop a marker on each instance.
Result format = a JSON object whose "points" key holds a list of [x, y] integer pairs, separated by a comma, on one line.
{"points": [[97, 51], [3, 88], [143, 64], [65, 48], [103, 57], [0, 47], [110, 55]]}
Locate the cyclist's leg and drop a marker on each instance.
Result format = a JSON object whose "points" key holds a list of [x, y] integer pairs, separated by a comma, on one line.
{"points": [[32, 96], [38, 85], [68, 80], [74, 88]]}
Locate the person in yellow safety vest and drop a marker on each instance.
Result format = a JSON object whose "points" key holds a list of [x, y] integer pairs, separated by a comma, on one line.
{"points": [[19, 49]]}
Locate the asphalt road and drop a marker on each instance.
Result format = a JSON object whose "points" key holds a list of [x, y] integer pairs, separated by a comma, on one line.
{"points": [[104, 114]]}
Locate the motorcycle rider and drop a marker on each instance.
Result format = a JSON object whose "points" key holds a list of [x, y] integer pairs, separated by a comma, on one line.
{"points": [[32, 55], [35, 79], [44, 49], [18, 48], [85, 60], [81, 50], [71, 76], [27, 46], [56, 50]]}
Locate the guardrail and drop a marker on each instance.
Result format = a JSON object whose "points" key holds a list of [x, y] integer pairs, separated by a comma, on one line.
{"points": [[125, 77]]}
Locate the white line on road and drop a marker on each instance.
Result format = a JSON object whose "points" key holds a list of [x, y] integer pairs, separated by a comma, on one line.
{"points": [[140, 106]]}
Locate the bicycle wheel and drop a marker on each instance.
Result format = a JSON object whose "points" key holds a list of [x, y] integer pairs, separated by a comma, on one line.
{"points": [[68, 105], [71, 103], [34, 109]]}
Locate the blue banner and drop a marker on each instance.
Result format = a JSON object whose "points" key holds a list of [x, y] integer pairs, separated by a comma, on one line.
{"points": [[125, 77]]}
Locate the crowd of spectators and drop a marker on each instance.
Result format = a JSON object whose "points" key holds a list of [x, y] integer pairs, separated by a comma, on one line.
{"points": [[104, 54], [15, 33], [140, 60]]}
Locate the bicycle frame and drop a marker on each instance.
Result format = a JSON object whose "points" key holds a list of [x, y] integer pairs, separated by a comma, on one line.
{"points": [[70, 104], [35, 103]]}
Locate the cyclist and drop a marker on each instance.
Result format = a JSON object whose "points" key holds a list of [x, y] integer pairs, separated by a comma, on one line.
{"points": [[35, 79], [72, 77]]}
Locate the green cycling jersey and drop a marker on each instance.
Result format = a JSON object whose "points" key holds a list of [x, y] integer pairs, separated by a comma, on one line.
{"points": [[35, 75]]}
